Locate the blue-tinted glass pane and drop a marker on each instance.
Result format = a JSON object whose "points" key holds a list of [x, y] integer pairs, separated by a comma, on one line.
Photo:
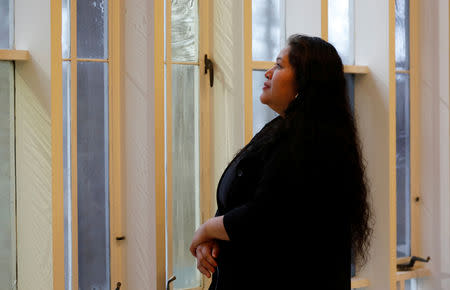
{"points": [[350, 81], [184, 30], [65, 29], [93, 177], [402, 34], [411, 284], [185, 172], [6, 24], [67, 177], [92, 29], [341, 28], [267, 29], [7, 178], [403, 166], [262, 114]]}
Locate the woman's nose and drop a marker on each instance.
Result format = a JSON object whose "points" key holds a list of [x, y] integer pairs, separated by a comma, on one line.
{"points": [[268, 74]]}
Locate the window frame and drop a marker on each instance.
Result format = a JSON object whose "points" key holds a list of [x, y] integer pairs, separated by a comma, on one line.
{"points": [[114, 60]]}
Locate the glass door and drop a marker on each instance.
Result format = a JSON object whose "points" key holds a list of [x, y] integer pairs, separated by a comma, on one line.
{"points": [[186, 136]]}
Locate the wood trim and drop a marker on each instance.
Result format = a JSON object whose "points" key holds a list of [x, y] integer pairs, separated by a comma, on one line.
{"points": [[262, 65], [358, 282], [356, 69], [248, 78], [169, 141], [12, 54], [117, 248], [414, 274], [57, 146], [160, 211], [392, 152], [324, 18], [415, 124]]}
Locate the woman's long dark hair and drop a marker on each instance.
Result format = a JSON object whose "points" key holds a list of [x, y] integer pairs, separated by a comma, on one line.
{"points": [[323, 121]]}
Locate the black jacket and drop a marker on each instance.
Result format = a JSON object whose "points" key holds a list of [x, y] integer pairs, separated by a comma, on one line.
{"points": [[287, 223]]}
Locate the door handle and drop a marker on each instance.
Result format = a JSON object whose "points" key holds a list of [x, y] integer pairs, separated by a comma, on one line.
{"points": [[209, 66], [171, 279]]}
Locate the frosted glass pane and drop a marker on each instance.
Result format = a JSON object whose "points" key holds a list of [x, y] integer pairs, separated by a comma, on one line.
{"points": [[411, 284], [262, 114], [6, 24], [402, 34], [67, 177], [267, 29], [341, 28], [93, 177], [7, 177], [185, 30], [92, 29], [65, 33], [185, 165], [403, 167], [350, 81]]}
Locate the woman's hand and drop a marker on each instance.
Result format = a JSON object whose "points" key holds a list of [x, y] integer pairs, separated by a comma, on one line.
{"points": [[213, 229], [200, 237], [206, 254]]}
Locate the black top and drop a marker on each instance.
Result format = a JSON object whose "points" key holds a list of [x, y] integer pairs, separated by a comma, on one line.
{"points": [[286, 231]]}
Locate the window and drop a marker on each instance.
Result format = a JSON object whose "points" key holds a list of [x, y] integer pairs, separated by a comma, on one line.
{"points": [[267, 38], [86, 147]]}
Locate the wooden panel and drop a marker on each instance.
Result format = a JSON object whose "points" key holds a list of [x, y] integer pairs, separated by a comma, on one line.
{"points": [[10, 54], [359, 283]]}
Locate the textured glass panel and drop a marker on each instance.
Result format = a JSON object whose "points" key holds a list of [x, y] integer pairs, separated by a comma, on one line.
{"points": [[402, 34], [341, 28], [185, 158], [92, 29], [185, 30], [67, 177], [267, 29], [6, 24], [261, 113], [65, 33], [411, 284], [403, 167], [93, 177], [7, 177]]}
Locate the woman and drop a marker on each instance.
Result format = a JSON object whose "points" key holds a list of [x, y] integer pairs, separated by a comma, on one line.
{"points": [[292, 205]]}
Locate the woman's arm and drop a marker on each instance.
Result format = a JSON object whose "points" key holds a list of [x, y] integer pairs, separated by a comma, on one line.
{"points": [[213, 229]]}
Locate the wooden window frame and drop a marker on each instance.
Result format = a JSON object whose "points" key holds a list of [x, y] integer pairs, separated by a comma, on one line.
{"points": [[114, 60]]}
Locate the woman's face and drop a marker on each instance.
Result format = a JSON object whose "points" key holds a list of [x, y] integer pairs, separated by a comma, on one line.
{"points": [[280, 88]]}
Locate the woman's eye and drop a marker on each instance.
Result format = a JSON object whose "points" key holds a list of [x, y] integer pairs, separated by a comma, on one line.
{"points": [[278, 65]]}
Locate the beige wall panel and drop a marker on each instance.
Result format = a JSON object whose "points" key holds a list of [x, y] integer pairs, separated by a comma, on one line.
{"points": [[435, 145], [34, 212], [228, 91], [139, 143], [33, 146], [372, 114]]}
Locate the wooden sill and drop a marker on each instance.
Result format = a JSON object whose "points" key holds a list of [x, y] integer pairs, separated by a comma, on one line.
{"points": [[14, 55], [356, 69], [416, 273], [348, 69], [358, 282]]}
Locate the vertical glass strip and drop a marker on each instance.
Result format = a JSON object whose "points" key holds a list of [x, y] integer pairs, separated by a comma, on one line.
{"points": [[185, 172], [7, 178], [402, 34], [341, 29], [93, 176], [6, 24], [65, 25], [92, 29], [403, 166], [267, 29], [184, 24], [67, 176], [262, 114]]}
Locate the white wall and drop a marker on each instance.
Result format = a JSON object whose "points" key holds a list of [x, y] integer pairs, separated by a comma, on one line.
{"points": [[33, 146], [372, 113], [435, 146], [139, 150]]}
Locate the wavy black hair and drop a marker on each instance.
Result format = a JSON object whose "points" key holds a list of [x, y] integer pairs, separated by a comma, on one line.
{"points": [[323, 121]]}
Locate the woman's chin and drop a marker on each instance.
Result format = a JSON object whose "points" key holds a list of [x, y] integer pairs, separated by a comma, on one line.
{"points": [[263, 99]]}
